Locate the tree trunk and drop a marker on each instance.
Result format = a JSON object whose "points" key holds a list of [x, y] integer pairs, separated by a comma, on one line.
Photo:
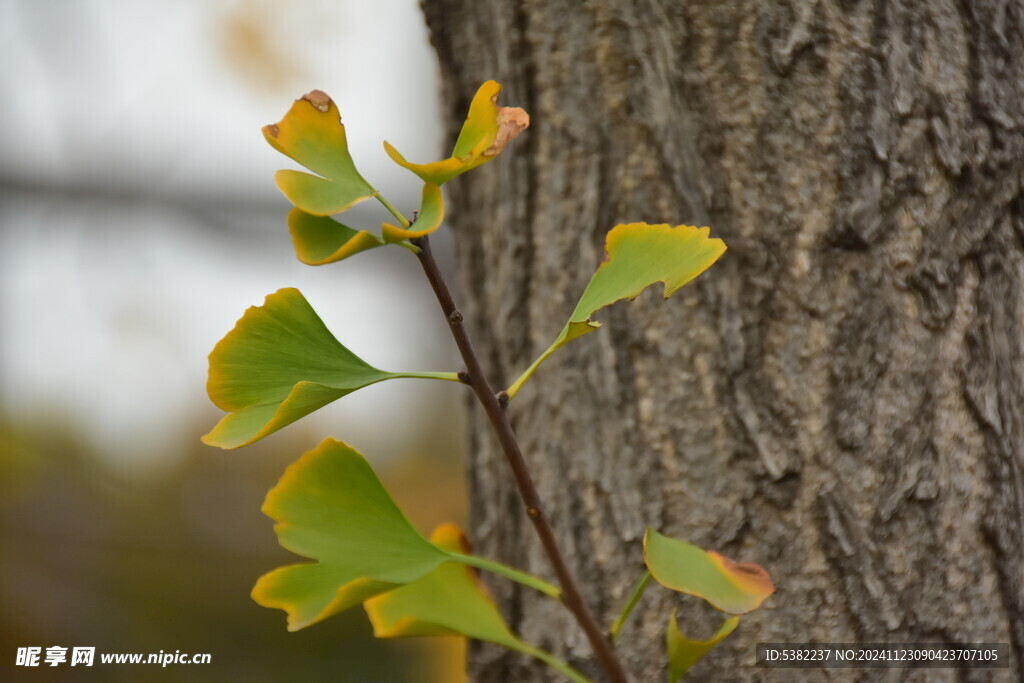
{"points": [[841, 397]]}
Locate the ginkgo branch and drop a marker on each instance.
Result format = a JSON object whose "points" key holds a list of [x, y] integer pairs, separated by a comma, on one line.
{"points": [[281, 363], [571, 596]]}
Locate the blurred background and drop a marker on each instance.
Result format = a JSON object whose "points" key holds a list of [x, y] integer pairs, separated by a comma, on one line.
{"points": [[138, 220]]}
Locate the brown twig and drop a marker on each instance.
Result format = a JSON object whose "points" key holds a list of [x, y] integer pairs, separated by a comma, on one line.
{"points": [[492, 405]]}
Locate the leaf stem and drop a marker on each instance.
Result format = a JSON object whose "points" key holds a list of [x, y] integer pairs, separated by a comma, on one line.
{"points": [[446, 376], [393, 211], [528, 373], [405, 244], [571, 597], [528, 580], [634, 598]]}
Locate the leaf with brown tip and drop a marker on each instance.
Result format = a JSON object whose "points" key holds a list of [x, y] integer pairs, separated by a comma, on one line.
{"points": [[486, 132], [312, 134], [733, 587]]}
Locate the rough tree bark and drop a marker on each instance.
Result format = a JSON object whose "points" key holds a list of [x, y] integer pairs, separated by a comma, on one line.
{"points": [[841, 397]]}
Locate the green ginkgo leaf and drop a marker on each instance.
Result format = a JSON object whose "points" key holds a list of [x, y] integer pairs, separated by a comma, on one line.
{"points": [[321, 239], [487, 130], [733, 587], [637, 255], [312, 134], [330, 506], [279, 364], [451, 600], [684, 652]]}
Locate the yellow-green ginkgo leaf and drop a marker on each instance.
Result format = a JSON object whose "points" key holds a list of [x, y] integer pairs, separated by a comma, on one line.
{"points": [[428, 220], [279, 364], [637, 255], [321, 239], [487, 130], [312, 134], [331, 507], [733, 587], [449, 601], [684, 652]]}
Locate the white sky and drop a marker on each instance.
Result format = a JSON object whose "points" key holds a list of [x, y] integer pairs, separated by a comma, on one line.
{"points": [[144, 94], [111, 297]]}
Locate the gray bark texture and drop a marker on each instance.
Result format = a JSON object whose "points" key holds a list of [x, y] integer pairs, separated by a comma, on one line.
{"points": [[840, 398]]}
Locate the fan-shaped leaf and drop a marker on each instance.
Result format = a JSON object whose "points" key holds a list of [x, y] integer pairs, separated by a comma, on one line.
{"points": [[312, 134], [637, 255], [684, 652], [279, 364], [321, 239], [487, 130], [330, 506], [736, 588]]}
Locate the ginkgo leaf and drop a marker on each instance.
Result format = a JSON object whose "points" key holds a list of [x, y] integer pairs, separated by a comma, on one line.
{"points": [[637, 255], [427, 221], [279, 364], [312, 134], [487, 130], [733, 587], [320, 239], [331, 507], [451, 600], [684, 652]]}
